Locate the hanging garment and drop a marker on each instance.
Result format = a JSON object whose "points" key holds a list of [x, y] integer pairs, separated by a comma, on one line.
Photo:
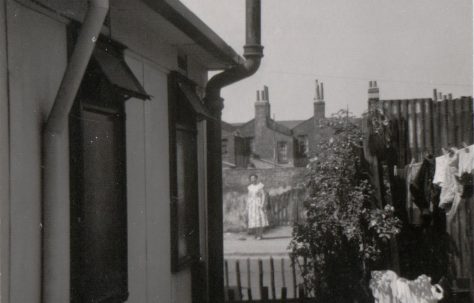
{"points": [[256, 206], [387, 287], [451, 189], [440, 170], [466, 160], [421, 186], [414, 213]]}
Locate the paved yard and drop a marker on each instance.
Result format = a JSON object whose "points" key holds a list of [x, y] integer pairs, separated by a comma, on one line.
{"points": [[274, 243]]}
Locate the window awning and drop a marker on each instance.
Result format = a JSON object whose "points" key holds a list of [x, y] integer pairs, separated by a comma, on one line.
{"points": [[188, 93], [118, 73]]}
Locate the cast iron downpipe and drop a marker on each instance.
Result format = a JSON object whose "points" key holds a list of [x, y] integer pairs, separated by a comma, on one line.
{"points": [[253, 53], [56, 203]]}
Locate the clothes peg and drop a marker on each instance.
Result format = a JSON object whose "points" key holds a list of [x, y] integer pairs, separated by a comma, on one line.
{"points": [[445, 152], [395, 171], [466, 148], [452, 151], [412, 161]]}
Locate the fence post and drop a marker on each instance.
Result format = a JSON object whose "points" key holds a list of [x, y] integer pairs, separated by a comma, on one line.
{"points": [[226, 270], [260, 277], [239, 283], [272, 278], [249, 283], [293, 271]]}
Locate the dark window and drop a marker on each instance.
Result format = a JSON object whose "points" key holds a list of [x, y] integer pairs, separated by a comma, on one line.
{"points": [[282, 148], [224, 147], [251, 145], [184, 115], [99, 205], [303, 145], [98, 179]]}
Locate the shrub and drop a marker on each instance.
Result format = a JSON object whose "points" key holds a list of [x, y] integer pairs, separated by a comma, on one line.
{"points": [[344, 234]]}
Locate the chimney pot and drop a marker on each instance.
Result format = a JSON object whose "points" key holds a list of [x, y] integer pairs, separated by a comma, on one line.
{"points": [[258, 95], [440, 96], [318, 94], [435, 95], [322, 91], [373, 90], [267, 97], [450, 96]]}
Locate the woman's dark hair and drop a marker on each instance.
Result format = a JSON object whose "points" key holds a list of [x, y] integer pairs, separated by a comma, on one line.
{"points": [[253, 175]]}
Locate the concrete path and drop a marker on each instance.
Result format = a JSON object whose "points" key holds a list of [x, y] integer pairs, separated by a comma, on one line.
{"points": [[274, 243]]}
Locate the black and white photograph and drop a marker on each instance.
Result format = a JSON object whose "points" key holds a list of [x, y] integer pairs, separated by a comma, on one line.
{"points": [[233, 151]]}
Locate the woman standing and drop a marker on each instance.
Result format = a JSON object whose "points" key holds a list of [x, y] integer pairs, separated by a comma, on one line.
{"points": [[257, 219]]}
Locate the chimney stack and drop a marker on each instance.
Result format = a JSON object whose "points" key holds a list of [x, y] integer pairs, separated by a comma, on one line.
{"points": [[262, 106], [319, 104], [373, 90], [373, 93]]}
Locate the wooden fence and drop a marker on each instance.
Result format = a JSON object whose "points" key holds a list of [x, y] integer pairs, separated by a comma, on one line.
{"points": [[286, 208], [422, 126], [426, 125], [263, 280]]}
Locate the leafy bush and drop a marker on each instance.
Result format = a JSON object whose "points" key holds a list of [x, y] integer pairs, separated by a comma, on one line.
{"points": [[344, 234]]}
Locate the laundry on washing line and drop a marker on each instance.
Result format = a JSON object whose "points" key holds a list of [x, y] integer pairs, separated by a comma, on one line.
{"points": [[388, 287]]}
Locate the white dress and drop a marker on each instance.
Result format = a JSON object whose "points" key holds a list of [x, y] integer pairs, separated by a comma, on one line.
{"points": [[255, 206]]}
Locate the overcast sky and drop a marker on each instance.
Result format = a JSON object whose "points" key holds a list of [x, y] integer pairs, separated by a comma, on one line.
{"points": [[408, 46]]}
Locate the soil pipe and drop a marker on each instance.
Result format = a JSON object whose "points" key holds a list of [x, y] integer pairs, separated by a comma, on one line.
{"points": [[253, 53], [56, 203], [4, 159]]}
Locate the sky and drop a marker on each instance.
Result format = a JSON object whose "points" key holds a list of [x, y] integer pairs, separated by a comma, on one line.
{"points": [[408, 46]]}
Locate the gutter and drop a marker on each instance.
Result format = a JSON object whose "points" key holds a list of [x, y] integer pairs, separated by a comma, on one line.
{"points": [[253, 53], [56, 203], [181, 17]]}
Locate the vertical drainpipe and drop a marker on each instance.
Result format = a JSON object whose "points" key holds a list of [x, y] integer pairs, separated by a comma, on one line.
{"points": [[56, 205], [4, 159], [253, 53]]}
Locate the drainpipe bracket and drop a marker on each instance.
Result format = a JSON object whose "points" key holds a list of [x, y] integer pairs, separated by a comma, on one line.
{"points": [[253, 50]]}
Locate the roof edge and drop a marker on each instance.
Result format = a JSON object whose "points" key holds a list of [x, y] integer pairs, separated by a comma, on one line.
{"points": [[184, 19]]}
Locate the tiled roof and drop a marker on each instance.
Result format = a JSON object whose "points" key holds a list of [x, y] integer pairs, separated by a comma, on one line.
{"points": [[272, 124], [290, 123], [228, 127]]}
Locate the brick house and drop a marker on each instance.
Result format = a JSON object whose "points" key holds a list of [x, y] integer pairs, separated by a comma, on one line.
{"points": [[267, 143]]}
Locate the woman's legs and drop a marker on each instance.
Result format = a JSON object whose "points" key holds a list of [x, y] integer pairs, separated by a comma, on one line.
{"points": [[259, 233]]}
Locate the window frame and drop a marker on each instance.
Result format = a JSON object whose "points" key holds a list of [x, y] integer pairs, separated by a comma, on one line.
{"points": [[194, 245], [285, 158]]}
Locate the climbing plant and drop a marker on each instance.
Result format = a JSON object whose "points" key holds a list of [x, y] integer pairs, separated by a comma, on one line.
{"points": [[343, 235]]}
